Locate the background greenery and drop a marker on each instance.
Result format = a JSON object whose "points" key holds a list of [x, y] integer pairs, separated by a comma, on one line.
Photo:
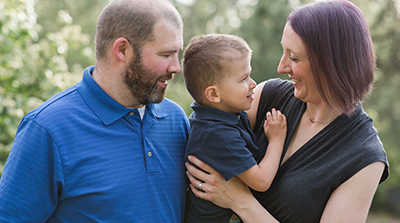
{"points": [[46, 44]]}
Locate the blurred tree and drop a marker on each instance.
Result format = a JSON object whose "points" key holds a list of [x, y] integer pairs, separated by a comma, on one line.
{"points": [[383, 105], [83, 13], [260, 23], [32, 68], [263, 31]]}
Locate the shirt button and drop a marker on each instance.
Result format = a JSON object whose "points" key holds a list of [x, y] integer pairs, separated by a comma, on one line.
{"points": [[131, 113], [149, 154]]}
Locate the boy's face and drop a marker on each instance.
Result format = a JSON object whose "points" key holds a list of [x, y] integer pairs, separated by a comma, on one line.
{"points": [[236, 90]]}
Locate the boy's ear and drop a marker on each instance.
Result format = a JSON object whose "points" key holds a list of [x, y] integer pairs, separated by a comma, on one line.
{"points": [[211, 93]]}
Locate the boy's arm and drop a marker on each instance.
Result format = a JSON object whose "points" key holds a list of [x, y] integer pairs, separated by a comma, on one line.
{"points": [[259, 177]]}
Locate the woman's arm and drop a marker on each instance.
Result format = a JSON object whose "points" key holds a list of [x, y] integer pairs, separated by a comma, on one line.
{"points": [[232, 194], [351, 201]]}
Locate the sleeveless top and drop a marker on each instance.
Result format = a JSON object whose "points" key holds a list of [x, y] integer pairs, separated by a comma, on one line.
{"points": [[306, 180]]}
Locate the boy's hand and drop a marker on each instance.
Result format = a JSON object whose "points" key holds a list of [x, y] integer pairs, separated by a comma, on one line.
{"points": [[275, 126]]}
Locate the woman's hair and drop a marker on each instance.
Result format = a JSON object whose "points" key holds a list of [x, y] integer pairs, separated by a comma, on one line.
{"points": [[339, 47], [207, 58], [134, 20]]}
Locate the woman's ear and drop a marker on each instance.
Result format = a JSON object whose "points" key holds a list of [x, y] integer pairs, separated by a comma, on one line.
{"points": [[120, 48], [211, 93]]}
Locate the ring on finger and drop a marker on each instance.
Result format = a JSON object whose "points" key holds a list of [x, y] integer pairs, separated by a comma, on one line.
{"points": [[199, 187]]}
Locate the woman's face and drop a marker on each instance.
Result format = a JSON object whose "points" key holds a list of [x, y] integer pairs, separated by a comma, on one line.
{"points": [[295, 63]]}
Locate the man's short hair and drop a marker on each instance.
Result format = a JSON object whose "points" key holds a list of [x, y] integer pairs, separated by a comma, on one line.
{"points": [[134, 20]]}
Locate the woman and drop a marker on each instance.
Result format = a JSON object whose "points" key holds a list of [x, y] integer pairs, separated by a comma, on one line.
{"points": [[333, 159]]}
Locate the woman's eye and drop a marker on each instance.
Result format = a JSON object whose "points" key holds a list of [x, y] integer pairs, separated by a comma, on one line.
{"points": [[293, 59]]}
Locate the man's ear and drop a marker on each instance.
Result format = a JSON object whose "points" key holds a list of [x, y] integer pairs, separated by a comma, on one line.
{"points": [[211, 93], [120, 48]]}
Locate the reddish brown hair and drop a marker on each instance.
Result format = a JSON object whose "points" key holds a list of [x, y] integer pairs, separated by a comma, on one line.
{"points": [[339, 46]]}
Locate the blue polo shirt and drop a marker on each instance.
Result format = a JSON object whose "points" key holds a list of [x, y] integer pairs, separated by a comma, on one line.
{"points": [[82, 157]]}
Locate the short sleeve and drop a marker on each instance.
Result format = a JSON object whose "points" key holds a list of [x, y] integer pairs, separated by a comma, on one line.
{"points": [[32, 177], [224, 149]]}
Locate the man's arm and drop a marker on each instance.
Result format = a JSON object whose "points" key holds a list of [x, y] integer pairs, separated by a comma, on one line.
{"points": [[28, 188]]}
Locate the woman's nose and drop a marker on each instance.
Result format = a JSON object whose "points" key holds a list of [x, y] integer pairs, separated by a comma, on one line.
{"points": [[283, 67]]}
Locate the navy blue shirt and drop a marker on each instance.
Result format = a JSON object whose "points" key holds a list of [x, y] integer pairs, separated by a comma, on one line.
{"points": [[225, 142], [83, 157]]}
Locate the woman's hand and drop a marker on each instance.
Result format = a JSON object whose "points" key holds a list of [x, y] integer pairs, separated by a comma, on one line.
{"points": [[232, 194], [214, 188]]}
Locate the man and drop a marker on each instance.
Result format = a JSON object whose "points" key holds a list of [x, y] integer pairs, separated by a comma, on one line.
{"points": [[110, 148]]}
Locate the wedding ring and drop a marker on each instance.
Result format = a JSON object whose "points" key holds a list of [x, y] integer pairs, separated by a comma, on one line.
{"points": [[199, 187]]}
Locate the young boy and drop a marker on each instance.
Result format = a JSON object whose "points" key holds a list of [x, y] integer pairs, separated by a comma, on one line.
{"points": [[216, 68]]}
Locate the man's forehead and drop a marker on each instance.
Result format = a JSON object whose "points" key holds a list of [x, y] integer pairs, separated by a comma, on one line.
{"points": [[167, 33]]}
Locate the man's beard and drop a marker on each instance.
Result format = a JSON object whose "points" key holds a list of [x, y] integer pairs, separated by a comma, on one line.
{"points": [[142, 82]]}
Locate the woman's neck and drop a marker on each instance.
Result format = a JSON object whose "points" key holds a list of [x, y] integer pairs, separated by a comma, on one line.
{"points": [[320, 113]]}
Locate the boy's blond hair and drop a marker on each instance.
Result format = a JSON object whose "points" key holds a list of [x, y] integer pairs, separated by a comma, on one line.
{"points": [[206, 59]]}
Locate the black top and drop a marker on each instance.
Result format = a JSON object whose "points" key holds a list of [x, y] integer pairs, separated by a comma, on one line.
{"points": [[306, 180], [225, 142]]}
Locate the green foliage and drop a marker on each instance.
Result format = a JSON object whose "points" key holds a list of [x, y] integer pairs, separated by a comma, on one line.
{"points": [[32, 68], [263, 31], [260, 23], [384, 21]]}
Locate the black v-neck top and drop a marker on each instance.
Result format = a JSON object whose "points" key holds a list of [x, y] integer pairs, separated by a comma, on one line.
{"points": [[306, 180]]}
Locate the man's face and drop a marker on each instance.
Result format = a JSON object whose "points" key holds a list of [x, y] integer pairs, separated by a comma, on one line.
{"points": [[148, 73]]}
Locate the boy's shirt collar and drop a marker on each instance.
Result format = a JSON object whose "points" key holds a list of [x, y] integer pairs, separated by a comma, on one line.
{"points": [[209, 113]]}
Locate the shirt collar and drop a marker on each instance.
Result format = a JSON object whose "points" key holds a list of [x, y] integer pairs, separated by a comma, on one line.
{"points": [[209, 113], [106, 108]]}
